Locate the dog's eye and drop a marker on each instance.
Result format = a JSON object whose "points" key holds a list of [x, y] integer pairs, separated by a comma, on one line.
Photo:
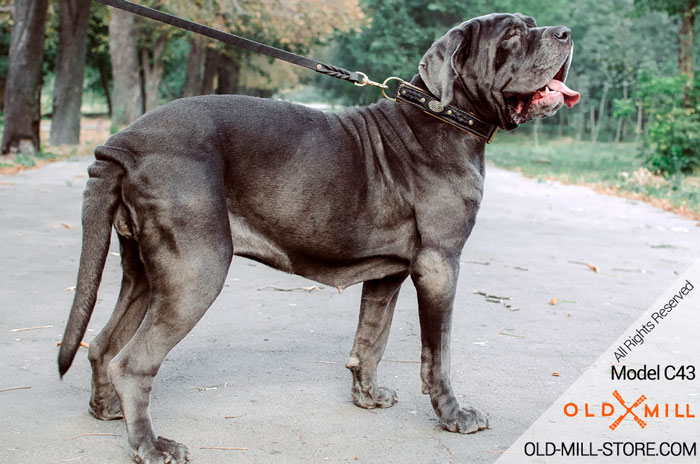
{"points": [[511, 35]]}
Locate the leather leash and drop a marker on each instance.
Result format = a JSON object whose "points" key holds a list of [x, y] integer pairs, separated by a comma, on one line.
{"points": [[405, 92]]}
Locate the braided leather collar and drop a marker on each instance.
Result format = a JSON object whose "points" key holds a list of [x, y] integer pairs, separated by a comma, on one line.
{"points": [[453, 116]]}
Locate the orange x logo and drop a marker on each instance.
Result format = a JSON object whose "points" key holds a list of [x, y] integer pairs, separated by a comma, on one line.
{"points": [[628, 410]]}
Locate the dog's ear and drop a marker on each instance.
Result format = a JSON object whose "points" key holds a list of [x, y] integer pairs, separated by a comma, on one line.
{"points": [[439, 66]]}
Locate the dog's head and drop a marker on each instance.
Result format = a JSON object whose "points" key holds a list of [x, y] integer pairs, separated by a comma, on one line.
{"points": [[502, 67]]}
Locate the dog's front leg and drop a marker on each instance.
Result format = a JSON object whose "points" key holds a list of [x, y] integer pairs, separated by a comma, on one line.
{"points": [[434, 274]]}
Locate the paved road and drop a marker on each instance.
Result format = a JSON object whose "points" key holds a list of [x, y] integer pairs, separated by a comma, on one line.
{"points": [[264, 370]]}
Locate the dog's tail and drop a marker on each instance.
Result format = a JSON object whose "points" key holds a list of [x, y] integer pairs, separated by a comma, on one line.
{"points": [[101, 198]]}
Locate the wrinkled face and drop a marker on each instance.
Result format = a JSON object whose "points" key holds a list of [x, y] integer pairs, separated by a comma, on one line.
{"points": [[502, 67]]}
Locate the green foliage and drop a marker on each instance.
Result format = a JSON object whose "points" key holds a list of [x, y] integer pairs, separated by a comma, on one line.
{"points": [[673, 140], [624, 107], [50, 40], [672, 7], [174, 67], [28, 160], [97, 48], [5, 32]]}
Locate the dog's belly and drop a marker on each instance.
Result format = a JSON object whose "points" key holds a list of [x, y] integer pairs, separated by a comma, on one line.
{"points": [[341, 271]]}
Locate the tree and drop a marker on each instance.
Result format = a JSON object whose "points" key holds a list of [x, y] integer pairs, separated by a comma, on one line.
{"points": [[23, 87], [70, 69], [98, 60], [687, 10], [195, 67], [127, 102], [393, 41], [152, 65], [211, 68], [5, 32], [294, 25]]}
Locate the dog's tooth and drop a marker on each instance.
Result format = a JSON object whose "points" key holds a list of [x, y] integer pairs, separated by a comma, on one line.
{"points": [[546, 89]]}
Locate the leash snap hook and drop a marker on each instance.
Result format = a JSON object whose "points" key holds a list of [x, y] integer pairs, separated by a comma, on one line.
{"points": [[367, 81]]}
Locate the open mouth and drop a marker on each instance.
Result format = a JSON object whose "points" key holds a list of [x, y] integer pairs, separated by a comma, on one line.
{"points": [[546, 100]]}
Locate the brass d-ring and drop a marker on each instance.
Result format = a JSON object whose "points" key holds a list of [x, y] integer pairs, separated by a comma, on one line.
{"points": [[385, 86]]}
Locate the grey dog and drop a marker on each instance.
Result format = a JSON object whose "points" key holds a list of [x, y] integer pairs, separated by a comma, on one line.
{"points": [[372, 195]]}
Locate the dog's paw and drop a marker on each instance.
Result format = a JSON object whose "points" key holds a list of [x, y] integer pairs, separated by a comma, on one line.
{"points": [[162, 451], [381, 397], [106, 410], [467, 420]]}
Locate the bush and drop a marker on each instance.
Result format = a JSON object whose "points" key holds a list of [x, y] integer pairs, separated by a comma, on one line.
{"points": [[672, 142]]}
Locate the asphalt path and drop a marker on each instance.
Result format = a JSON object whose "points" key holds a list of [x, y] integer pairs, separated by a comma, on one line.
{"points": [[264, 370]]}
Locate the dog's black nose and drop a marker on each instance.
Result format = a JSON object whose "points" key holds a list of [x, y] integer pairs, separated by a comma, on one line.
{"points": [[561, 33]]}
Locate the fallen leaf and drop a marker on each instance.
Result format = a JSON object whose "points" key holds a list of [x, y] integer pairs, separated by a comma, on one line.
{"points": [[96, 435], [555, 374], [14, 388], [83, 344], [24, 329], [223, 448], [66, 225], [313, 288], [553, 301], [593, 268]]}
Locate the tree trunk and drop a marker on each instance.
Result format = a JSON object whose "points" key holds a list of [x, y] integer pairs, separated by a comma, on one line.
{"points": [[595, 128], [104, 80], [621, 121], [153, 71], [23, 87], [211, 65], [194, 79], [2, 92], [560, 129], [127, 102], [73, 18], [536, 131], [228, 72], [640, 119], [686, 40]]}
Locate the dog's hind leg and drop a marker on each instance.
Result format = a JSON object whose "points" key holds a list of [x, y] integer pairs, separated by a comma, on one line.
{"points": [[376, 312], [185, 244], [126, 318]]}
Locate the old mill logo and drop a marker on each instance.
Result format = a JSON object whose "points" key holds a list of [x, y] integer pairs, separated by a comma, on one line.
{"points": [[635, 410]]}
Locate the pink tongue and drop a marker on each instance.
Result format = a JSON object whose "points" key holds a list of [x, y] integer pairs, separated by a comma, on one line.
{"points": [[571, 97]]}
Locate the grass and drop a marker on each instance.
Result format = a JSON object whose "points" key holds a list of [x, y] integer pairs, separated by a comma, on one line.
{"points": [[606, 167]]}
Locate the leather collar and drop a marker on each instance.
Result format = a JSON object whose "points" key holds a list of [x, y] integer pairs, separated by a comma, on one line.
{"points": [[453, 116]]}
